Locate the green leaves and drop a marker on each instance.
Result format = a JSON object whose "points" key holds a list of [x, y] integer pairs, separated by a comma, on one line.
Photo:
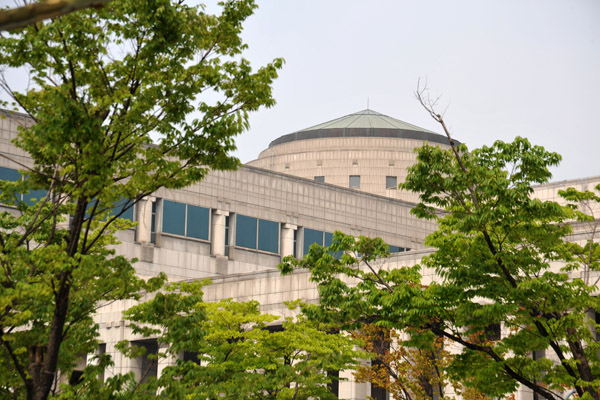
{"points": [[502, 259], [236, 352], [111, 94]]}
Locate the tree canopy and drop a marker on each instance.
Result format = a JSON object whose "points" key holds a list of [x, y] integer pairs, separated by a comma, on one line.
{"points": [[111, 95], [513, 289], [237, 353]]}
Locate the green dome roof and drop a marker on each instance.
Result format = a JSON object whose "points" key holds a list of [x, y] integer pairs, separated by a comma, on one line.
{"points": [[367, 119], [366, 123]]}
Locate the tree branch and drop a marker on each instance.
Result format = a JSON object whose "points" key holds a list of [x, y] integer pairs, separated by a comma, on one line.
{"points": [[35, 12]]}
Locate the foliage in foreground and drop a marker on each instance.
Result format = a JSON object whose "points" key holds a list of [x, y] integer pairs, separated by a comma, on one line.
{"points": [[105, 83], [408, 373], [235, 354], [502, 258]]}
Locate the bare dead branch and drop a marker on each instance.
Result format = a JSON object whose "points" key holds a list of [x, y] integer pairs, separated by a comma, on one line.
{"points": [[35, 12]]}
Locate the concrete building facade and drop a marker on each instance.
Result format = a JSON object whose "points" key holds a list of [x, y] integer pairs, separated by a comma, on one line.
{"points": [[235, 227]]}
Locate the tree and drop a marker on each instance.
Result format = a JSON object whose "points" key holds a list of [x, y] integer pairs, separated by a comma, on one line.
{"points": [[234, 353], [105, 83], [408, 373], [503, 261]]}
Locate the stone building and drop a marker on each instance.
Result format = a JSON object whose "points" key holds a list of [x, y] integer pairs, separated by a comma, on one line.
{"points": [[236, 226]]}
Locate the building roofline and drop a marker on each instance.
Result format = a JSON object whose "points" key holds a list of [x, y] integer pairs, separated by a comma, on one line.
{"points": [[365, 123], [18, 114], [356, 192], [362, 132], [566, 182]]}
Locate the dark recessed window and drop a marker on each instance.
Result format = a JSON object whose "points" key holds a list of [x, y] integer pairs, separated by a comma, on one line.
{"points": [[120, 207], [321, 238], [153, 223], [227, 236], [493, 332], [173, 217], [197, 222], [355, 181], [185, 220], [147, 365], [268, 236], [245, 231], [396, 249], [312, 236], [12, 175], [257, 234], [320, 179], [391, 182]]}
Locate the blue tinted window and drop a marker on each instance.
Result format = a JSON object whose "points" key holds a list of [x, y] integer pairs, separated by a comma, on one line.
{"points": [[312, 236], [391, 182], [34, 194], [328, 239], [245, 231], [328, 242], [118, 207], [173, 217], [268, 236], [197, 222], [396, 249], [7, 174], [11, 175], [128, 214]]}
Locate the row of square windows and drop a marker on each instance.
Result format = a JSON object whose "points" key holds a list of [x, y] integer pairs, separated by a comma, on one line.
{"points": [[250, 232], [391, 182], [12, 175], [194, 222]]}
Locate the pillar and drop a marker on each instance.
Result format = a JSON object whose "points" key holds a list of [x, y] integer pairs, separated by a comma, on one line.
{"points": [[217, 247], [287, 239]]}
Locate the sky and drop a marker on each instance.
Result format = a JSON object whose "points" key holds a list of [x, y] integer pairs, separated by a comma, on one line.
{"points": [[502, 68]]}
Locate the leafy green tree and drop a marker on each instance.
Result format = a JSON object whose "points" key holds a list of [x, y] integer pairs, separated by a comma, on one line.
{"points": [[110, 97], [502, 259], [236, 355]]}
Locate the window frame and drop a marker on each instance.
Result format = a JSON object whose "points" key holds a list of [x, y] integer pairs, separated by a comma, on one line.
{"points": [[388, 186], [165, 203], [257, 234], [326, 241]]}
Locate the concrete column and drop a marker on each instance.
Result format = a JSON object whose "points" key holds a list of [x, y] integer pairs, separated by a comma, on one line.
{"points": [[168, 361], [113, 335], [217, 246], [144, 218], [287, 239], [350, 389]]}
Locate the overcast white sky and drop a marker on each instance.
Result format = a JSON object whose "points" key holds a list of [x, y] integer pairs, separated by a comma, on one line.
{"points": [[505, 68]]}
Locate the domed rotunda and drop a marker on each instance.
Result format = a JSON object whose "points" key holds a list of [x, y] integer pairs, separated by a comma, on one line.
{"points": [[366, 151]]}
